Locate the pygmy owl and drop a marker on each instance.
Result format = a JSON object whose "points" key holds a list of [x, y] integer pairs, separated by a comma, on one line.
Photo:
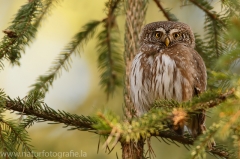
{"points": [[168, 67]]}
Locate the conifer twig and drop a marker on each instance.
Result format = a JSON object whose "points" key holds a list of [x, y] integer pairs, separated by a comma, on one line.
{"points": [[186, 140], [162, 9], [45, 113], [166, 13], [220, 152], [22, 30], [215, 101], [48, 4], [109, 59], [63, 60], [206, 10], [17, 134], [115, 132]]}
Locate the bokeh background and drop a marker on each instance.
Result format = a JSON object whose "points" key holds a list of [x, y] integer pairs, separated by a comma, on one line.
{"points": [[78, 91]]}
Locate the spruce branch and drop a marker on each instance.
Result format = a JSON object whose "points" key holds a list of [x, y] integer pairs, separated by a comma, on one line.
{"points": [[115, 132], [236, 140], [215, 27], [166, 12], [109, 60], [155, 123], [203, 141], [22, 31], [13, 137], [188, 142], [167, 112], [222, 152], [214, 38], [206, 7], [207, 100], [213, 100], [63, 60], [41, 112], [47, 6], [231, 7], [214, 33], [171, 136], [4, 144], [229, 125], [201, 48], [225, 80], [232, 120], [231, 57], [29, 121]]}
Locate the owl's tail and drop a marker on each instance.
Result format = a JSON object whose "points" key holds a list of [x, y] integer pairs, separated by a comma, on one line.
{"points": [[196, 126]]}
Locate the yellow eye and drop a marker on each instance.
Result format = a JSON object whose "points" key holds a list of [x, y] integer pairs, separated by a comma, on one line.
{"points": [[158, 34], [176, 35]]}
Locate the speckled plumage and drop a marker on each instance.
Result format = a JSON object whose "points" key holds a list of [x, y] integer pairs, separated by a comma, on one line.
{"points": [[167, 67]]}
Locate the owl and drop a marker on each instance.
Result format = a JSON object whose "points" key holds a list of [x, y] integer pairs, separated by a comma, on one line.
{"points": [[168, 67]]}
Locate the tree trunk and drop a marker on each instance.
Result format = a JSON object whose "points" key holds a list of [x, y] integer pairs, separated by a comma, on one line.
{"points": [[135, 16], [132, 150]]}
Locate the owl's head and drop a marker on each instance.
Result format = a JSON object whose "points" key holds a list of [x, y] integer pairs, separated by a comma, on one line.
{"points": [[166, 34]]}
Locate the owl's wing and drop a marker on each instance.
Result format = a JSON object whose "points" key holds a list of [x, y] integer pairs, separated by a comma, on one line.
{"points": [[196, 124], [200, 78]]}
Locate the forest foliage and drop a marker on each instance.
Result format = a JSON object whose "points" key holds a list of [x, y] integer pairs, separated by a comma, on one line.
{"points": [[219, 47]]}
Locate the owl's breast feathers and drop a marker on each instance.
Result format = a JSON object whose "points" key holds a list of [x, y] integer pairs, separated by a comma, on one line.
{"points": [[174, 73]]}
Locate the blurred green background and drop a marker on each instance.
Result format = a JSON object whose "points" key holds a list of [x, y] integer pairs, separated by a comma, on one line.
{"points": [[78, 90]]}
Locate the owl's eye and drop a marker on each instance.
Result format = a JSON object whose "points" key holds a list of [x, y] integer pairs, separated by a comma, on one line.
{"points": [[176, 35], [158, 34]]}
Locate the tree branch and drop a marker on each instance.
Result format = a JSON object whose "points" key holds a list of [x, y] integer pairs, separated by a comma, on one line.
{"points": [[20, 136], [166, 13], [45, 113], [162, 9], [120, 130], [63, 60], [215, 101], [109, 59], [22, 30], [186, 140], [206, 10]]}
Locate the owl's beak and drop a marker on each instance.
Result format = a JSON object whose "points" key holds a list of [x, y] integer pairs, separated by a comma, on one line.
{"points": [[167, 41]]}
